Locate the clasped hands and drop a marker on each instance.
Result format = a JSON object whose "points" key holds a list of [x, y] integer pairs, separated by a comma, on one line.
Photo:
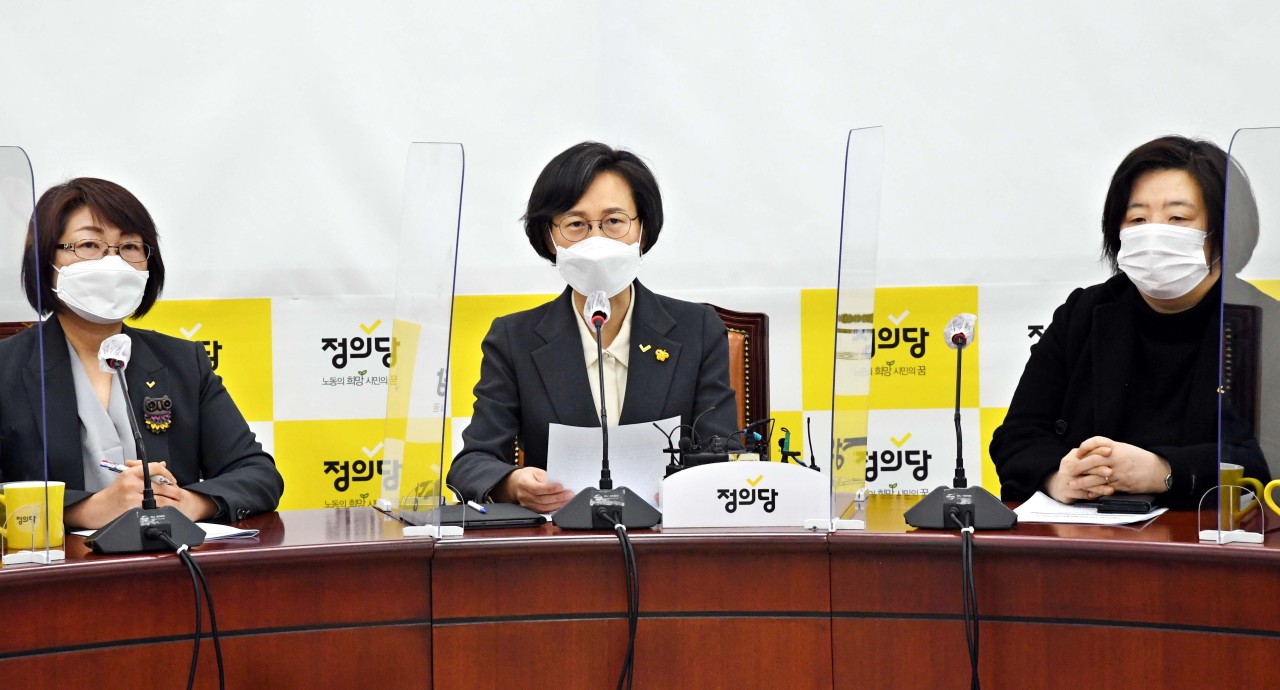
{"points": [[125, 492], [1102, 467]]}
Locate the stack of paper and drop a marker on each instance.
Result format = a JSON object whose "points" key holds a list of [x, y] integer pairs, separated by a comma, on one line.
{"points": [[1041, 508]]}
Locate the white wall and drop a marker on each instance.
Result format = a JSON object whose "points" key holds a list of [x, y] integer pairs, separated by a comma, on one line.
{"points": [[276, 133]]}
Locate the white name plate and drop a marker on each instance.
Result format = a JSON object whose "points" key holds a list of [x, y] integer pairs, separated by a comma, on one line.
{"points": [[745, 494]]}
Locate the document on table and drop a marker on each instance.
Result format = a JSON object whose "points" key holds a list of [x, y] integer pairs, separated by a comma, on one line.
{"points": [[212, 531], [636, 460], [1041, 508]]}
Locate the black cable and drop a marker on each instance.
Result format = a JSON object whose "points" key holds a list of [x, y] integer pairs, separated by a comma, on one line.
{"points": [[633, 607], [969, 596], [813, 458], [693, 428], [195, 643], [213, 621], [627, 675], [194, 568]]}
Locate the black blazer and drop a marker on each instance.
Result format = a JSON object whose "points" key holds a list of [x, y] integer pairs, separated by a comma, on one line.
{"points": [[534, 374], [209, 447], [1072, 389]]}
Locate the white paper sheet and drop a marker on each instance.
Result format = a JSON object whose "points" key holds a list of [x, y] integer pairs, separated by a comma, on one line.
{"points": [[1042, 508], [636, 460]]}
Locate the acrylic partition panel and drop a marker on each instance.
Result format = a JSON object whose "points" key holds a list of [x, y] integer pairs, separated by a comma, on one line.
{"points": [[854, 310], [26, 536], [1249, 384], [418, 383]]}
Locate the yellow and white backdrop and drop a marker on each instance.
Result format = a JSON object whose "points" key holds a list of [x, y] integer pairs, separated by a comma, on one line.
{"points": [[269, 141]]}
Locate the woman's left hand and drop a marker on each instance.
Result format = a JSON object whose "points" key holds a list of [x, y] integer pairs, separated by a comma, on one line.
{"points": [[194, 505], [1134, 470]]}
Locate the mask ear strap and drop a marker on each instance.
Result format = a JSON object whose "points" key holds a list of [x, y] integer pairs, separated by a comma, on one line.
{"points": [[551, 237]]}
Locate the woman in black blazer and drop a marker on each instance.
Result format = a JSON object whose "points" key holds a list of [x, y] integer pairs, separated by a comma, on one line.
{"points": [[100, 262], [593, 212], [1120, 393]]}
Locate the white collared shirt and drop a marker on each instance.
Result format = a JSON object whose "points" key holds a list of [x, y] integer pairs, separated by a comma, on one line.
{"points": [[617, 357]]}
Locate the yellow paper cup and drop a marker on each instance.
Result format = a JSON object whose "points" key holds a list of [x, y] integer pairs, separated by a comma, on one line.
{"points": [[23, 507]]}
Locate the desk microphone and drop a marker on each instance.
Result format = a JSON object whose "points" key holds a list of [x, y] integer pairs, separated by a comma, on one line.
{"points": [[604, 507], [974, 506], [133, 531]]}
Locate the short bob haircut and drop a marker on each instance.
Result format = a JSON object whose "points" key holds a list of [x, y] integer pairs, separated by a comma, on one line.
{"points": [[110, 204], [1202, 160], [566, 178]]}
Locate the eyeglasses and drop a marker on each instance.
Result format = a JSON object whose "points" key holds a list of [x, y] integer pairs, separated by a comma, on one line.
{"points": [[133, 251], [575, 227]]}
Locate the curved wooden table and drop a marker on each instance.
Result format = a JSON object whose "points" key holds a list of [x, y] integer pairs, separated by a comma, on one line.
{"points": [[304, 605], [337, 598], [547, 609], [1061, 605]]}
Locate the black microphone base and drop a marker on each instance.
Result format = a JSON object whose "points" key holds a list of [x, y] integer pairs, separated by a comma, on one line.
{"points": [[973, 505], [127, 533], [588, 509]]}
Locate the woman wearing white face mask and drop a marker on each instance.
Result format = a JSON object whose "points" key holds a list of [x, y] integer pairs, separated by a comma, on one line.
{"points": [[100, 262], [1120, 393], [594, 211]]}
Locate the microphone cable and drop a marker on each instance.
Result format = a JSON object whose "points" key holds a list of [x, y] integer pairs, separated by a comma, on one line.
{"points": [[813, 458], [969, 594], [195, 571], [633, 598]]}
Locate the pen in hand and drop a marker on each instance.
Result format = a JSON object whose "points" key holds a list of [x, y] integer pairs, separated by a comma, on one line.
{"points": [[118, 468]]}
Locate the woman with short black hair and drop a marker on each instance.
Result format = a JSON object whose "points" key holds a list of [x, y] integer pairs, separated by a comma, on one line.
{"points": [[1120, 393], [92, 259], [593, 212]]}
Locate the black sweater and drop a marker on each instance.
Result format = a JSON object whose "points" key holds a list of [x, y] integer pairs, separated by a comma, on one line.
{"points": [[1108, 365]]}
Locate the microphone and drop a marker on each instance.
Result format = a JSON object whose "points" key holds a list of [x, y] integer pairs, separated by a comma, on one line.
{"points": [[596, 309], [959, 331], [605, 507], [962, 506], [138, 529], [758, 444], [114, 353], [673, 465]]}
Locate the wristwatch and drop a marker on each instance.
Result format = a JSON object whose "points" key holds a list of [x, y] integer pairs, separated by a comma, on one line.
{"points": [[1168, 482]]}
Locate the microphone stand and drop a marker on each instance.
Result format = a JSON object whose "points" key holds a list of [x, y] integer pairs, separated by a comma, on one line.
{"points": [[141, 529], [605, 507], [963, 505]]}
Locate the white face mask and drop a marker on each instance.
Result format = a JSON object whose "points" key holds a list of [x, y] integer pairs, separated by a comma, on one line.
{"points": [[599, 264], [1163, 261], [102, 290]]}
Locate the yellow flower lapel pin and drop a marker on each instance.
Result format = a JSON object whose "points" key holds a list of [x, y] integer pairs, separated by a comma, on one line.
{"points": [[661, 355]]}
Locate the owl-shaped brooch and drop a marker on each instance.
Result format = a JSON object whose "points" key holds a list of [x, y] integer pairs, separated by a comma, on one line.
{"points": [[157, 413]]}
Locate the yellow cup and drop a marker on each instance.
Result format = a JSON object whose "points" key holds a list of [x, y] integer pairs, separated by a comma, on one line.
{"points": [[1265, 493], [1231, 482], [23, 505]]}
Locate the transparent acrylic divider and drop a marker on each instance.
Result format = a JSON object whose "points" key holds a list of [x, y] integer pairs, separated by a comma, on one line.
{"points": [[27, 536], [1249, 383], [855, 306], [1224, 511], [417, 390]]}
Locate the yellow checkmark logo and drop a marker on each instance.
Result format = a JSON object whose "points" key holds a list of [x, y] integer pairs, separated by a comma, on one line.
{"points": [[645, 348], [368, 330], [151, 384], [755, 481], [899, 443]]}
